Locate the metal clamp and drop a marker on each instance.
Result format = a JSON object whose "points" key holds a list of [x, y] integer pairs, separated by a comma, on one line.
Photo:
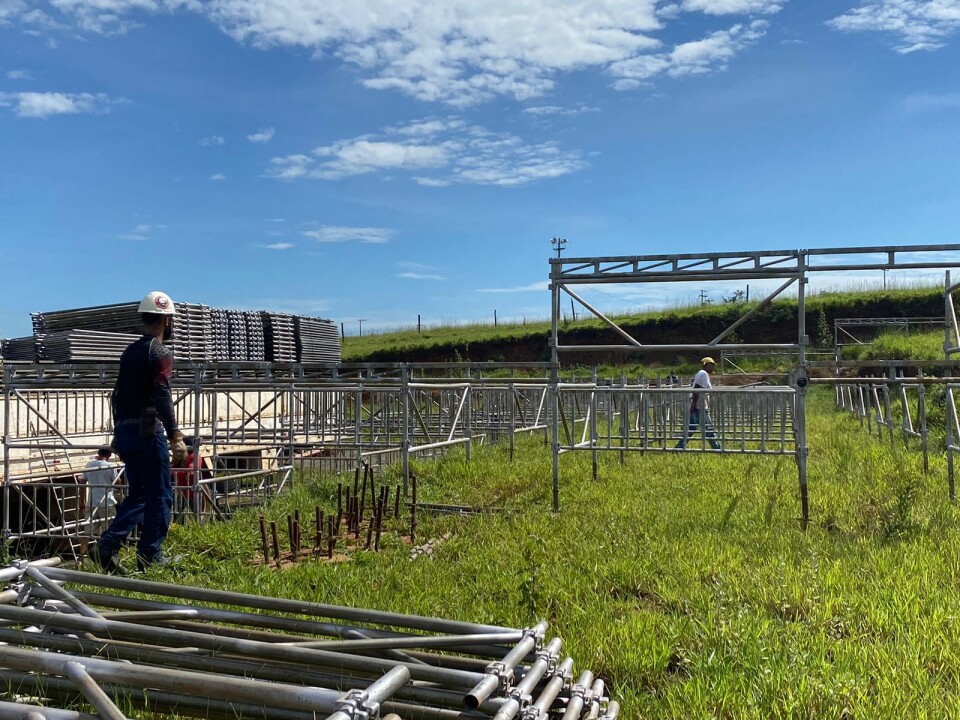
{"points": [[356, 704], [503, 674], [551, 659]]}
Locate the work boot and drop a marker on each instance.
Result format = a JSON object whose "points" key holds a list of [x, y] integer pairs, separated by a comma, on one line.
{"points": [[161, 559], [108, 563]]}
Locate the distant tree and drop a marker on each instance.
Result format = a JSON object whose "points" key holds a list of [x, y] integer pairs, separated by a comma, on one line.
{"points": [[737, 297], [824, 336]]}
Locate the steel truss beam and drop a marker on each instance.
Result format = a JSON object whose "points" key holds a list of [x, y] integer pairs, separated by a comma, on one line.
{"points": [[790, 266]]}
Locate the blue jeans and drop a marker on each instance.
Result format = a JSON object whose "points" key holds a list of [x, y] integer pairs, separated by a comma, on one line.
{"points": [[709, 432], [149, 495]]}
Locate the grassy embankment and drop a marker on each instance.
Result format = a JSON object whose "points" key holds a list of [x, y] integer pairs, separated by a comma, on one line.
{"points": [[685, 581], [528, 342]]}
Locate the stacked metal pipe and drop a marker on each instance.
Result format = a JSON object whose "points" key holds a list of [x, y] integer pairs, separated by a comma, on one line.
{"points": [[82, 345], [189, 651], [22, 349], [193, 336], [202, 334], [317, 340], [280, 343], [255, 340]]}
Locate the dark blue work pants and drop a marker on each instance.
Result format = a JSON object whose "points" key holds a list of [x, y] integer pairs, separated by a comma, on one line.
{"points": [[149, 499]]}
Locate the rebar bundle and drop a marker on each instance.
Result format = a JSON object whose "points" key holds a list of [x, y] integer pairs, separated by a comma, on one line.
{"points": [[189, 651]]}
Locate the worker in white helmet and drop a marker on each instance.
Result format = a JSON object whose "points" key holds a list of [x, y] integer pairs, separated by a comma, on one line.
{"points": [[699, 416], [145, 435]]}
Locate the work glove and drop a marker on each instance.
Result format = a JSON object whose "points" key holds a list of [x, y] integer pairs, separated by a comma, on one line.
{"points": [[178, 449]]}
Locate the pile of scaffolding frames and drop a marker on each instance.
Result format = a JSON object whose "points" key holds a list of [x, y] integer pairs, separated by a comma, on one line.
{"points": [[72, 641]]}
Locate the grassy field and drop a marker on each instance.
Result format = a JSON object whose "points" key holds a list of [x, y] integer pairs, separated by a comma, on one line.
{"points": [[901, 300], [899, 346], [685, 581]]}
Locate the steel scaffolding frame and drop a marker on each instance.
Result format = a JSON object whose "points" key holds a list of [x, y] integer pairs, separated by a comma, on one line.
{"points": [[792, 267], [284, 418], [187, 651]]}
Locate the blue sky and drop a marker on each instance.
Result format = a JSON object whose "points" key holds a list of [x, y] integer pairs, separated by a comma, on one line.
{"points": [[386, 158]]}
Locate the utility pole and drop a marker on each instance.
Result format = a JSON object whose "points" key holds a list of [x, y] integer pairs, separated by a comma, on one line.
{"points": [[361, 321], [704, 297]]}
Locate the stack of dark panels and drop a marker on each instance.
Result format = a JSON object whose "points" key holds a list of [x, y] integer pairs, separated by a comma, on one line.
{"points": [[317, 340], [220, 322], [238, 336], [192, 333], [119, 318], [280, 344], [69, 346], [22, 349], [255, 340]]}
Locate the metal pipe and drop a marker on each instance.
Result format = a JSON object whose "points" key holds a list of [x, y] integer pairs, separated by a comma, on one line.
{"points": [[92, 692], [20, 711], [225, 688], [254, 648], [416, 622]]}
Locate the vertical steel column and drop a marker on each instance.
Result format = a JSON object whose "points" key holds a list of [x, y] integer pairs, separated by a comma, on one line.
{"points": [[555, 380], [801, 410], [950, 440], [922, 420], [197, 391], [291, 435], [514, 407], [7, 531], [594, 408], [468, 422], [405, 412]]}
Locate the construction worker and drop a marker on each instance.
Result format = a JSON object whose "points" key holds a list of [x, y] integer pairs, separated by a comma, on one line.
{"points": [[698, 406], [145, 435], [99, 477]]}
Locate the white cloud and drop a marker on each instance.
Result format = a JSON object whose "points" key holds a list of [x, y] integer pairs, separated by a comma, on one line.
{"points": [[278, 246], [457, 152], [213, 140], [19, 75], [419, 271], [409, 275], [455, 51], [542, 110], [532, 287], [10, 9], [918, 24], [47, 104], [141, 232], [711, 53], [217, 177], [733, 7], [262, 136], [342, 234]]}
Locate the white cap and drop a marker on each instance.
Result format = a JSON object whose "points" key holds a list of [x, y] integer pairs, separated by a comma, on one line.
{"points": [[158, 303]]}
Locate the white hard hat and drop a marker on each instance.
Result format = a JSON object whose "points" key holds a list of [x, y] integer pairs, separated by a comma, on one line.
{"points": [[158, 303]]}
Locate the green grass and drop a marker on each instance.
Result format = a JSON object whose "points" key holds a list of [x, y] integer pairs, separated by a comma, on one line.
{"points": [[685, 581], [899, 346], [902, 300]]}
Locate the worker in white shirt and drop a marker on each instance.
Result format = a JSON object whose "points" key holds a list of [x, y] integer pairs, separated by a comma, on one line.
{"points": [[699, 417], [100, 476]]}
